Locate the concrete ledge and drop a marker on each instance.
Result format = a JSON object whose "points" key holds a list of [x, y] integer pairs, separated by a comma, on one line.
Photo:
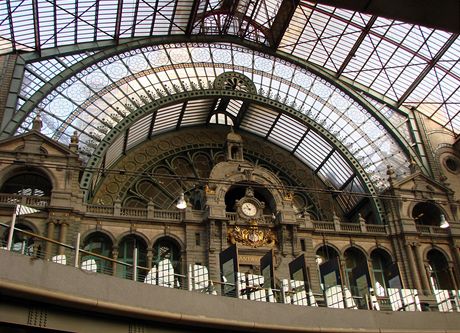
{"points": [[41, 281]]}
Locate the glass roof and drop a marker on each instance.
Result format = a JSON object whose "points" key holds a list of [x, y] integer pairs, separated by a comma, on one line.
{"points": [[349, 81], [412, 65], [94, 99]]}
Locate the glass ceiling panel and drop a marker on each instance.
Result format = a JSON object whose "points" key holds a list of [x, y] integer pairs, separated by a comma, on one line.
{"points": [[196, 112], [138, 132], [392, 58], [113, 153], [258, 120], [313, 150], [336, 170], [287, 132], [94, 99]]}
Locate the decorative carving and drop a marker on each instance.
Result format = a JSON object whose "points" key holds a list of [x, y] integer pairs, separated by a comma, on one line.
{"points": [[235, 81], [208, 190], [252, 236]]}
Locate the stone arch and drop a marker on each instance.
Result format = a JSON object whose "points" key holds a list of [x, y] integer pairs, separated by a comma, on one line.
{"points": [[92, 231], [426, 213], [383, 249], [121, 236], [12, 171], [173, 237], [356, 247], [327, 245], [445, 253]]}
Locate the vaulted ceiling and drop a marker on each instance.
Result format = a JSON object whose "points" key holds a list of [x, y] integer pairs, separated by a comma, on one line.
{"points": [[337, 88]]}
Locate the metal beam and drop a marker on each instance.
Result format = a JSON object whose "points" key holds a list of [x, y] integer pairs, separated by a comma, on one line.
{"points": [[116, 34], [192, 17], [10, 19], [181, 116], [282, 19], [239, 117], [428, 68], [443, 15], [136, 12], [356, 46], [36, 25]]}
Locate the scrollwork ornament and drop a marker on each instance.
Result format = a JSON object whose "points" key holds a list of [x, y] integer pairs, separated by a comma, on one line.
{"points": [[252, 236]]}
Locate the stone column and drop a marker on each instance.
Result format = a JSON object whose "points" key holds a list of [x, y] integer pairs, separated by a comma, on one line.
{"points": [[149, 258], [413, 268], [50, 235], [114, 257], [295, 241], [455, 249], [64, 226], [452, 277], [422, 271]]}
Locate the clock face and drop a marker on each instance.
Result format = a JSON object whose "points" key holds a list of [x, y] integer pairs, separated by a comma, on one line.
{"points": [[249, 209]]}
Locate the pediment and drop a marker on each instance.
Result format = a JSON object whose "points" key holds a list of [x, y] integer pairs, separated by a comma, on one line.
{"points": [[34, 143], [420, 182]]}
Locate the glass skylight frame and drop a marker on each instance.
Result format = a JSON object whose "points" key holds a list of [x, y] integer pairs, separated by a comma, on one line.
{"points": [[112, 88]]}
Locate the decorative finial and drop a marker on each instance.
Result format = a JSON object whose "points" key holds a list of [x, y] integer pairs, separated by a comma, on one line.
{"points": [[74, 142], [37, 123], [390, 173], [74, 138]]}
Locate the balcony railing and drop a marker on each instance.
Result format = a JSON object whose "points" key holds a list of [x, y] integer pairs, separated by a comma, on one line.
{"points": [[246, 286], [349, 227], [176, 216], [430, 229]]}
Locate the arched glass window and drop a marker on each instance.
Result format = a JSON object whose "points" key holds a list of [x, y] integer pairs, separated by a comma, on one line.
{"points": [[99, 243], [28, 184], [327, 259], [126, 254], [385, 272], [167, 248], [357, 274], [439, 271]]}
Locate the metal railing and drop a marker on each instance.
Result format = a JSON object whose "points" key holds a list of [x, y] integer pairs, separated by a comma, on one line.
{"points": [[246, 286]]}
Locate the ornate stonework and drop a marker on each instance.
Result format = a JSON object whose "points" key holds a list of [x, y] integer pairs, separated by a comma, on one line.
{"points": [[189, 152], [252, 236]]}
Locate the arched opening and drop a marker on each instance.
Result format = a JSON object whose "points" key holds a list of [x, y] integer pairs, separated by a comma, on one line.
{"points": [[357, 275], [385, 272], [126, 254], [439, 271], [426, 213], [21, 242], [327, 259], [167, 248], [101, 244], [238, 191], [30, 183]]}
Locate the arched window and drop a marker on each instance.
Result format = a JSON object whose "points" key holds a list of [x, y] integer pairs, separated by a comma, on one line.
{"points": [[357, 274], [22, 243], [167, 248], [327, 259], [126, 254], [101, 244], [439, 270], [34, 184], [385, 272], [426, 213]]}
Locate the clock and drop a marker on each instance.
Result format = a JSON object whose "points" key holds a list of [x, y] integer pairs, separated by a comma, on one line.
{"points": [[249, 209]]}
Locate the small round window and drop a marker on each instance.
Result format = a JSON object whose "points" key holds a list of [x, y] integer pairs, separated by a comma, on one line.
{"points": [[452, 164]]}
